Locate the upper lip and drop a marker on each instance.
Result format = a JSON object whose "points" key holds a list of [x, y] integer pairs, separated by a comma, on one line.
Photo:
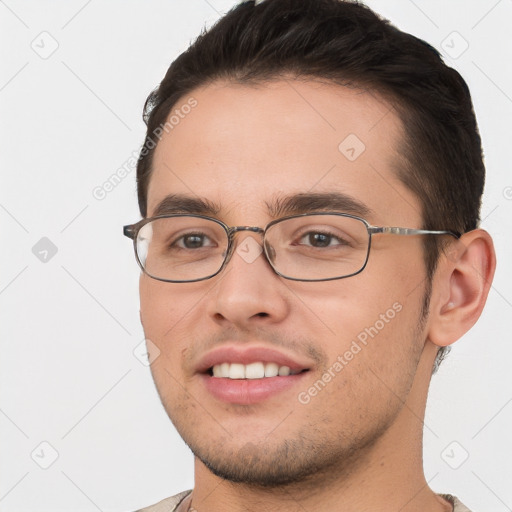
{"points": [[248, 355]]}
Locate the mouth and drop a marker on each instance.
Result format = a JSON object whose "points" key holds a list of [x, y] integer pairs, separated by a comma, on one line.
{"points": [[256, 370], [251, 374]]}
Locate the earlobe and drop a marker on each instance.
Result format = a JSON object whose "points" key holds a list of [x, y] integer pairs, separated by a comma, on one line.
{"points": [[461, 285]]}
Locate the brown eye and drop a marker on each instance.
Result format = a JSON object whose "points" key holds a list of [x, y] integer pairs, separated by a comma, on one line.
{"points": [[319, 240], [193, 241]]}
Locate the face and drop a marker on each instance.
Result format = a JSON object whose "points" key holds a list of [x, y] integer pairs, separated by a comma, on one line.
{"points": [[352, 345]]}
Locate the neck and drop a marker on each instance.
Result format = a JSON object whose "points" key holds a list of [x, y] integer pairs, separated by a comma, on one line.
{"points": [[386, 476]]}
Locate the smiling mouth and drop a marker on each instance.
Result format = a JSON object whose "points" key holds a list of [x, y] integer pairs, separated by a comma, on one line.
{"points": [[256, 370]]}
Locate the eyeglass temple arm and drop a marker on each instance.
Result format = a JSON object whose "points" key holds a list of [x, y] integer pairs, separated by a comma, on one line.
{"points": [[408, 231]]}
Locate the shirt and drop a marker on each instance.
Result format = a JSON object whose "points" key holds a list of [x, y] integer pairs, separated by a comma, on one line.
{"points": [[181, 501]]}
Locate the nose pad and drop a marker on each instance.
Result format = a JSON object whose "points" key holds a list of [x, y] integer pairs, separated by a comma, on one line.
{"points": [[270, 252], [228, 252]]}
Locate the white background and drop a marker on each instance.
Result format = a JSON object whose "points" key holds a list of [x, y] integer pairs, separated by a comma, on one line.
{"points": [[69, 325]]}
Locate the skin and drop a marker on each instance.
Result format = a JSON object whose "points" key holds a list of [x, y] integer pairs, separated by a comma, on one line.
{"points": [[358, 442]]}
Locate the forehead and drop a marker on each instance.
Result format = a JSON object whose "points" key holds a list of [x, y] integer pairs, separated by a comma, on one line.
{"points": [[243, 146]]}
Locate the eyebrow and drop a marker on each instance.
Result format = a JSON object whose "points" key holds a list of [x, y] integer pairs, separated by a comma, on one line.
{"points": [[314, 202], [295, 204], [179, 203]]}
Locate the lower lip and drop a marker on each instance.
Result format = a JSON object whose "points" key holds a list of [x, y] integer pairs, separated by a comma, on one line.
{"points": [[249, 391]]}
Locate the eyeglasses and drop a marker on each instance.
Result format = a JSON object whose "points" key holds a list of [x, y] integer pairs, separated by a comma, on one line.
{"points": [[309, 247]]}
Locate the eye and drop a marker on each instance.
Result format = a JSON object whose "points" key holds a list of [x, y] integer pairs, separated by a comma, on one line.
{"points": [[193, 241], [321, 239]]}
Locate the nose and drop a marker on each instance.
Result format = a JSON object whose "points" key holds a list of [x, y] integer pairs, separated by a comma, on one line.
{"points": [[248, 292]]}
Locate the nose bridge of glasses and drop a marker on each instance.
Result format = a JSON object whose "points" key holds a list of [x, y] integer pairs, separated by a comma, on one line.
{"points": [[237, 229], [231, 244], [232, 231], [253, 229]]}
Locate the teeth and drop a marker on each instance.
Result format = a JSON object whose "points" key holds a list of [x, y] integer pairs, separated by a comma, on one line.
{"points": [[271, 370], [237, 371], [284, 370], [257, 370]]}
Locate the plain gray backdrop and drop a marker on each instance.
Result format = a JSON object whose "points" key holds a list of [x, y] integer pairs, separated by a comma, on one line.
{"points": [[81, 426]]}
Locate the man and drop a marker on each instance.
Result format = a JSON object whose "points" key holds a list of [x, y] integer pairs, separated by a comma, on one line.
{"points": [[310, 187]]}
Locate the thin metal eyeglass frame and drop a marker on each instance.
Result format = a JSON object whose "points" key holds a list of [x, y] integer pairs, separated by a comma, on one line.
{"points": [[132, 230]]}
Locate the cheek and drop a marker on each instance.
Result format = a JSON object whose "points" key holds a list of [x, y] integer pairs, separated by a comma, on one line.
{"points": [[372, 359], [161, 313], [349, 308], [170, 316], [372, 332], [162, 306], [154, 306], [369, 323]]}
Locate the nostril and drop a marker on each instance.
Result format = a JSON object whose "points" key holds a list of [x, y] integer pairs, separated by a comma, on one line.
{"points": [[262, 314]]}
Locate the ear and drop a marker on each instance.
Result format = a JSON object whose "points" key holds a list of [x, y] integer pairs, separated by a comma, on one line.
{"points": [[460, 286]]}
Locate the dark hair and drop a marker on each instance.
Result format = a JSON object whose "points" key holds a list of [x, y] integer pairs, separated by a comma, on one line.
{"points": [[346, 43]]}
